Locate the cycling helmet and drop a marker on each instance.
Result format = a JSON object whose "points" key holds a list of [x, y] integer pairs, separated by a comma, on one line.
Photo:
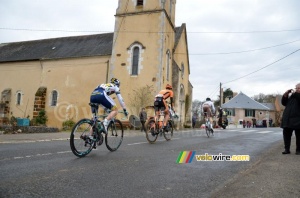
{"points": [[208, 99], [169, 86], [115, 82]]}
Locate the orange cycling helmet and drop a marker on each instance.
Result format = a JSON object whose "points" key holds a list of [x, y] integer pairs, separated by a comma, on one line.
{"points": [[169, 86]]}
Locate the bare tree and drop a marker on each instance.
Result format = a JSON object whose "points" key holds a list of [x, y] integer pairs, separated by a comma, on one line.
{"points": [[196, 107], [262, 98], [141, 97]]}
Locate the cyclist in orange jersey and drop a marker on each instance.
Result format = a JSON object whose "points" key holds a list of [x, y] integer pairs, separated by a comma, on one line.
{"points": [[160, 103]]}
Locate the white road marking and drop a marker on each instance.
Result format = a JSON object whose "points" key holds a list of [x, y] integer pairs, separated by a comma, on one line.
{"points": [[37, 155], [61, 152], [265, 132], [247, 131], [137, 143]]}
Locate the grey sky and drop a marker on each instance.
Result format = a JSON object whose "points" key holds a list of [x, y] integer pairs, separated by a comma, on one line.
{"points": [[211, 39]]}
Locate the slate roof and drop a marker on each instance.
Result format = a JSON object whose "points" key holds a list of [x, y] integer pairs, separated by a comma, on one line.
{"points": [[55, 48], [271, 106], [63, 47], [242, 101], [178, 32]]}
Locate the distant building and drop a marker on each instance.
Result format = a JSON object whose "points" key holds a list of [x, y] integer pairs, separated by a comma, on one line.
{"points": [[241, 107]]}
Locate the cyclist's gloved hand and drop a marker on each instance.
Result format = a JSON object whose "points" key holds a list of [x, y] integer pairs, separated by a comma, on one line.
{"points": [[125, 112]]}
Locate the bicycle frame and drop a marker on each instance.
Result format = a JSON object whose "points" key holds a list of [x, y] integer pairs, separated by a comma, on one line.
{"points": [[208, 128], [207, 122]]}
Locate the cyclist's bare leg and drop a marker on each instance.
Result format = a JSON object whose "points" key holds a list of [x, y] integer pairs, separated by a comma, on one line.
{"points": [[211, 122], [112, 114], [167, 116], [156, 116]]}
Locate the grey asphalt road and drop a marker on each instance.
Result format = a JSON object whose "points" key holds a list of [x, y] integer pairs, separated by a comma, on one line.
{"points": [[31, 168]]}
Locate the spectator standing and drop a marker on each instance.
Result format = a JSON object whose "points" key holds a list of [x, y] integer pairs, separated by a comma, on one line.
{"points": [[143, 119], [194, 119], [248, 124], [270, 122], [291, 118], [253, 122]]}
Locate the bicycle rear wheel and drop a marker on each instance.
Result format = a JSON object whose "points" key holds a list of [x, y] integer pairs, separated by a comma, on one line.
{"points": [[169, 134], [80, 143], [207, 129], [150, 133], [114, 135]]}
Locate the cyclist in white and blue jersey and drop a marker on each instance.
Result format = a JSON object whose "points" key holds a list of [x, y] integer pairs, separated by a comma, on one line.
{"points": [[101, 95]]}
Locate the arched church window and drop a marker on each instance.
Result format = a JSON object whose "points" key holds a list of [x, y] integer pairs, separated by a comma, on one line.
{"points": [[182, 70], [19, 98], [168, 65], [54, 98], [135, 61]]}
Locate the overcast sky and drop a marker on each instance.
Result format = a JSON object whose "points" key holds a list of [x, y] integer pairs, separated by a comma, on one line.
{"points": [[249, 46]]}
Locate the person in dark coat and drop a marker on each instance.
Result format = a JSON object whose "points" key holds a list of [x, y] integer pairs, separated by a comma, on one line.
{"points": [[291, 118], [143, 119], [194, 119]]}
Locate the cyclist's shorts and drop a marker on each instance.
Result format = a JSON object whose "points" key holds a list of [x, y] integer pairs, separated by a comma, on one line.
{"points": [[206, 109], [99, 96], [159, 103]]}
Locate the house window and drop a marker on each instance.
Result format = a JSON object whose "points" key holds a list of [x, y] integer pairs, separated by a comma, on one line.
{"points": [[135, 61], [19, 98], [230, 112], [168, 65], [54, 98], [182, 70], [249, 112], [140, 2]]}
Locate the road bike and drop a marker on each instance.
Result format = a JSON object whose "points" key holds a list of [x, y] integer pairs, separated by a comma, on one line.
{"points": [[208, 129], [155, 127], [80, 141]]}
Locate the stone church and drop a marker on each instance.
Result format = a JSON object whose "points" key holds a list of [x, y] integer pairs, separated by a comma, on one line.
{"points": [[58, 74]]}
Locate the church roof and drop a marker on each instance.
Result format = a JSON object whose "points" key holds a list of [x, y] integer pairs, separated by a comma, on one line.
{"points": [[56, 48], [63, 47], [242, 101]]}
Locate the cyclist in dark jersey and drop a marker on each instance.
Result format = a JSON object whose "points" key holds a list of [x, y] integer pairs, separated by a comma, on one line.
{"points": [[101, 95]]}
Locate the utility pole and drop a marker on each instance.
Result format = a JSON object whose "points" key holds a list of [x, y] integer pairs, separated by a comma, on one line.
{"points": [[221, 98]]}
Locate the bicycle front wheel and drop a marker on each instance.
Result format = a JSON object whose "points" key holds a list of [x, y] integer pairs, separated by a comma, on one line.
{"points": [[150, 133], [80, 143], [169, 134], [114, 135]]}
